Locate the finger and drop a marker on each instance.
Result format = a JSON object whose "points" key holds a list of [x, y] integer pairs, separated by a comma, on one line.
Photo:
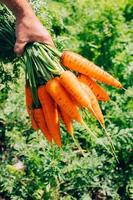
{"points": [[47, 40], [51, 43], [19, 48]]}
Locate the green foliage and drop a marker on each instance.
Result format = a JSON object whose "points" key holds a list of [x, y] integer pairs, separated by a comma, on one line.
{"points": [[100, 31]]}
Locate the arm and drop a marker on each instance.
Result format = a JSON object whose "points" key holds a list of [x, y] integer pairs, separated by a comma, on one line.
{"points": [[28, 26]]}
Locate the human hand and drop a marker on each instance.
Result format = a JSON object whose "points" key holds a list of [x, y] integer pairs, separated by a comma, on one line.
{"points": [[30, 29]]}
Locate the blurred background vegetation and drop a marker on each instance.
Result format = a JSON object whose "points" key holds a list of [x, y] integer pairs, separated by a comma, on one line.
{"points": [[29, 168]]}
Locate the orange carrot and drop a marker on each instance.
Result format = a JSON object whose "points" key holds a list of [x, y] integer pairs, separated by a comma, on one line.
{"points": [[28, 100], [75, 101], [61, 97], [99, 92], [94, 103], [51, 114], [80, 64], [67, 122], [70, 82], [39, 117]]}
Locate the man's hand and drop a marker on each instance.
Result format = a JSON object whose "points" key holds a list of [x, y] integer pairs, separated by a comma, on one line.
{"points": [[28, 26], [29, 29]]}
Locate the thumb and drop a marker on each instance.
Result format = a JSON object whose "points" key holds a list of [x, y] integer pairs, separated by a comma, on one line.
{"points": [[46, 39], [49, 42], [19, 47]]}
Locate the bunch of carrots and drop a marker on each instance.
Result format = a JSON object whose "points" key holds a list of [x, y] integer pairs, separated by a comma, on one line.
{"points": [[58, 85], [63, 95]]}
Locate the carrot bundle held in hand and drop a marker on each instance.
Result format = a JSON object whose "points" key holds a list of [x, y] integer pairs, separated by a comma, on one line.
{"points": [[69, 92], [45, 65]]}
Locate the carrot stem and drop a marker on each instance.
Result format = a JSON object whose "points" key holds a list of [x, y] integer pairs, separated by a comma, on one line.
{"points": [[89, 130], [54, 50], [78, 145], [32, 78], [111, 144]]}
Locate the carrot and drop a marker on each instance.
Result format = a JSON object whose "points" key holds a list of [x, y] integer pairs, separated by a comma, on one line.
{"points": [[39, 117], [75, 101], [73, 87], [94, 103], [82, 94], [67, 122], [80, 64], [61, 97], [28, 100], [51, 114], [99, 92]]}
